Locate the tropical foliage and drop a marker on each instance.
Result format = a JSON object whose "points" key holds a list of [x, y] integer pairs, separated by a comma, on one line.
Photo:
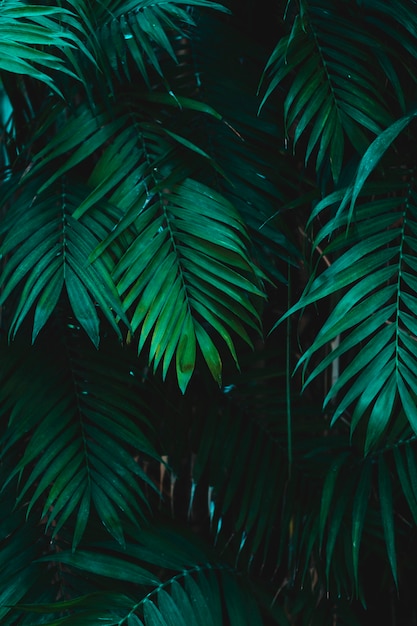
{"points": [[208, 287]]}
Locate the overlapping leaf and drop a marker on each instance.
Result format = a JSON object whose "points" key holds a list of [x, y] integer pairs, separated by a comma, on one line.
{"points": [[155, 183], [187, 267], [133, 34], [47, 252], [334, 91], [190, 593], [374, 276], [80, 431], [258, 182], [180, 247], [32, 38]]}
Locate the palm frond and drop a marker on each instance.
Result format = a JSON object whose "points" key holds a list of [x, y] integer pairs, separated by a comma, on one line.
{"points": [[376, 297], [173, 277], [375, 276], [33, 38], [188, 589], [79, 435], [51, 253], [334, 92], [133, 35]]}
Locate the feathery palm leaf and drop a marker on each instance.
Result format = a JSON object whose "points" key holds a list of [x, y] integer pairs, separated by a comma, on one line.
{"points": [[134, 34], [334, 91], [188, 589], [179, 276], [33, 37], [51, 252], [374, 272], [80, 429]]}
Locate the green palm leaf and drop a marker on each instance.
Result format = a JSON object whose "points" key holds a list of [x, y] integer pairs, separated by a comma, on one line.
{"points": [[50, 253], [79, 435], [31, 37], [132, 35], [375, 274], [334, 90], [192, 591], [188, 262]]}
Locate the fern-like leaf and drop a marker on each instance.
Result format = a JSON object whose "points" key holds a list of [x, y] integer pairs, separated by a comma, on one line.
{"points": [[375, 275], [79, 434], [334, 91], [132, 35], [31, 37], [194, 593], [188, 263], [47, 252]]}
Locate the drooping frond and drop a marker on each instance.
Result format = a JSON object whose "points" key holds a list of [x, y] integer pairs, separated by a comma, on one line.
{"points": [[130, 36], [374, 275], [33, 37], [334, 86], [174, 584], [185, 269], [47, 254], [81, 433]]}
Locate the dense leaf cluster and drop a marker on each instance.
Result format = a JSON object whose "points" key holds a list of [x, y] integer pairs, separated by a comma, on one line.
{"points": [[208, 290]]}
